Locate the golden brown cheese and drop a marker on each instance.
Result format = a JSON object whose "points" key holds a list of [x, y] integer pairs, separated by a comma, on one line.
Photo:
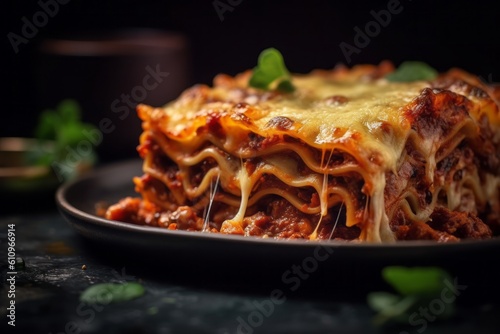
{"points": [[336, 129]]}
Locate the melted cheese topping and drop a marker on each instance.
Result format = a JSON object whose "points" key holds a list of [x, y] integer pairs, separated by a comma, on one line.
{"points": [[365, 119], [370, 121]]}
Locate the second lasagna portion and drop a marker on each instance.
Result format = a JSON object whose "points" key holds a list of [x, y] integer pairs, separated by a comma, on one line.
{"points": [[347, 155]]}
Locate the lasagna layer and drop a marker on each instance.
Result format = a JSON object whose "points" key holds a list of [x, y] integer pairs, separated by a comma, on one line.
{"points": [[348, 155]]}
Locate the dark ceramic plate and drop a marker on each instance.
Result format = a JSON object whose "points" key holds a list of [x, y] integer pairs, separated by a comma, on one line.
{"points": [[77, 202]]}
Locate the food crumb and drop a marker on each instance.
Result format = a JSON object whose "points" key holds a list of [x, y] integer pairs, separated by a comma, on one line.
{"points": [[84, 267], [20, 263]]}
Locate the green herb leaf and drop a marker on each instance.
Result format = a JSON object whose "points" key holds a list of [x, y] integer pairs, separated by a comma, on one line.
{"points": [[106, 293], [412, 71], [422, 281], [381, 300], [390, 306], [417, 287], [271, 72], [65, 128], [48, 124], [20, 264], [69, 111]]}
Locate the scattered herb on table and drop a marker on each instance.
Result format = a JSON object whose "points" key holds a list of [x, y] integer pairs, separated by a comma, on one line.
{"points": [[20, 264], [271, 72], [410, 71], [416, 287], [106, 293]]}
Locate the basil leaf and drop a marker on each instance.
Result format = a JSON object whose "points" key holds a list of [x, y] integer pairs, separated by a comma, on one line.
{"points": [[286, 86], [381, 300], [395, 308], [106, 293], [271, 72], [48, 124], [69, 110], [65, 128], [417, 287], [422, 281], [412, 71], [70, 134]]}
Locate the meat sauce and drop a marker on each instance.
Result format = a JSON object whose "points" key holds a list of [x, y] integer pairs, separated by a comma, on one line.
{"points": [[434, 113]]}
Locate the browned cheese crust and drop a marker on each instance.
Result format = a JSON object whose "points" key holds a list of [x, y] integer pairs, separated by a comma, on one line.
{"points": [[347, 156]]}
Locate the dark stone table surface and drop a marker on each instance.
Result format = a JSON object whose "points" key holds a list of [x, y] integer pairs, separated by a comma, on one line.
{"points": [[205, 299]]}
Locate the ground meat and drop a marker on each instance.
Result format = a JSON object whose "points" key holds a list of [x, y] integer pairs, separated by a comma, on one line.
{"points": [[133, 210], [288, 221], [444, 226], [463, 225], [184, 218], [281, 220], [422, 231], [492, 218], [256, 224], [341, 232]]}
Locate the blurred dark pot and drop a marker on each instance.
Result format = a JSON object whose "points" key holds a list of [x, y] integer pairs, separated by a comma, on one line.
{"points": [[109, 74]]}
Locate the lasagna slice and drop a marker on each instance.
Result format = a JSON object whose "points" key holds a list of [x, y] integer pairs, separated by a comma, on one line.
{"points": [[348, 155]]}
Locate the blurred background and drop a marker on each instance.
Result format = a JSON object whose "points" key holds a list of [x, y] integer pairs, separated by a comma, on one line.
{"points": [[110, 55], [107, 56]]}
